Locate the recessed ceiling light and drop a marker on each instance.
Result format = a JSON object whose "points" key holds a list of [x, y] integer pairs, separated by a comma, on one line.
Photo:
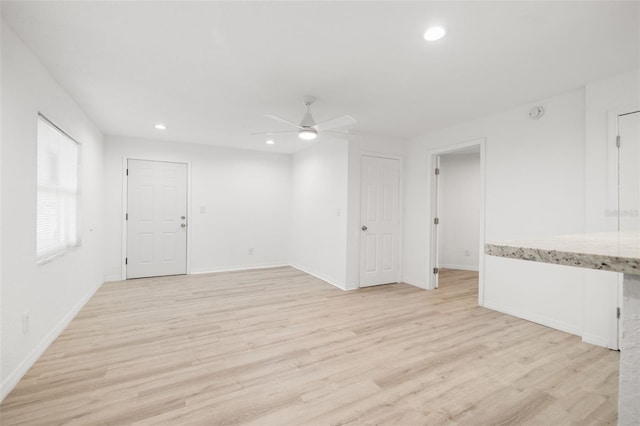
{"points": [[160, 126], [270, 142], [434, 33]]}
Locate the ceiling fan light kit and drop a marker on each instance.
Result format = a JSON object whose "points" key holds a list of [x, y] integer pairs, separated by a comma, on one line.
{"points": [[308, 129], [307, 134]]}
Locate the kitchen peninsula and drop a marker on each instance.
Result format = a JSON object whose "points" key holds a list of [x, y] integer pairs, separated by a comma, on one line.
{"points": [[611, 251]]}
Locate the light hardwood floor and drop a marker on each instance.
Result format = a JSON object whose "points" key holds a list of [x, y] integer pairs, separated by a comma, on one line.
{"points": [[279, 347]]}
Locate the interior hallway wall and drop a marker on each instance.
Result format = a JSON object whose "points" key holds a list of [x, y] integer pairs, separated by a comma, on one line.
{"points": [[240, 200], [534, 181], [51, 293], [319, 211], [459, 211]]}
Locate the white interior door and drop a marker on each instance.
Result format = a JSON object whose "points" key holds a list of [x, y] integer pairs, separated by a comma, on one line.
{"points": [[380, 221], [156, 218], [629, 172], [628, 184]]}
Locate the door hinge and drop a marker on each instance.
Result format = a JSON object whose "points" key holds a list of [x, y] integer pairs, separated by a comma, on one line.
{"points": [[618, 313], [126, 216], [436, 270], [618, 141], [127, 172], [126, 260], [436, 221], [437, 171]]}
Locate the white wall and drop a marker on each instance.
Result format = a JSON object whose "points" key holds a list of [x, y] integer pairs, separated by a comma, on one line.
{"points": [[319, 211], [239, 200], [534, 187], [52, 293], [325, 227], [459, 211]]}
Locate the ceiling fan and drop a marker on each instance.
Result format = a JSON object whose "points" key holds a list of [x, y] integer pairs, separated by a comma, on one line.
{"points": [[308, 129]]}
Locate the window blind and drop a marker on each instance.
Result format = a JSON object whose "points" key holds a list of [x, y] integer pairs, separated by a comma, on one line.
{"points": [[57, 217]]}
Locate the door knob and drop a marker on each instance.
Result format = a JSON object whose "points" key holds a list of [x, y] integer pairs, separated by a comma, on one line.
{"points": [[182, 225], [182, 217], [364, 227]]}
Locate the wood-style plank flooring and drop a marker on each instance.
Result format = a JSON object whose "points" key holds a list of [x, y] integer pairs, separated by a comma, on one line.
{"points": [[279, 347]]}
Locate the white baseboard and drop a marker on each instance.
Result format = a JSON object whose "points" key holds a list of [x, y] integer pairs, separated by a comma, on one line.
{"points": [[113, 277], [538, 319], [414, 282], [14, 377], [319, 276], [460, 267], [239, 268], [596, 340]]}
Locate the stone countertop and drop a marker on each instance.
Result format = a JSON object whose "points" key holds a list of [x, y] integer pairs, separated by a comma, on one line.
{"points": [[607, 251]]}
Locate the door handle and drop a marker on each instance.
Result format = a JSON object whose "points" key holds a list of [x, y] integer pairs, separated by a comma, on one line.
{"points": [[364, 227]]}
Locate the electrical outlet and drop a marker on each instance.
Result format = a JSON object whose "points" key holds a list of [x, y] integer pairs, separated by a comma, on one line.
{"points": [[251, 251], [25, 323], [467, 253]]}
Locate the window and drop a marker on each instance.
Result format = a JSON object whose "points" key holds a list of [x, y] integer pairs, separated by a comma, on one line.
{"points": [[57, 217]]}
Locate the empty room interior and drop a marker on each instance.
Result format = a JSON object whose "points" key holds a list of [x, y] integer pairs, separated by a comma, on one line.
{"points": [[320, 212]]}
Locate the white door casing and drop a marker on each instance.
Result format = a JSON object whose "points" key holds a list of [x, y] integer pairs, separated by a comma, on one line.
{"points": [[628, 188], [435, 252], [156, 218], [380, 221], [629, 172]]}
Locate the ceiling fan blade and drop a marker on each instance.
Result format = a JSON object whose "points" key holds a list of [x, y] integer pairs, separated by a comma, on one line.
{"points": [[284, 120], [272, 133], [336, 135], [345, 120]]}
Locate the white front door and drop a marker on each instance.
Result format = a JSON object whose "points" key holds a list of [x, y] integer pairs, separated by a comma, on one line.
{"points": [[156, 218], [380, 221]]}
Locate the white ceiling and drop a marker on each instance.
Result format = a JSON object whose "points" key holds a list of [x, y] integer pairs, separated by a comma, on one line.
{"points": [[210, 70]]}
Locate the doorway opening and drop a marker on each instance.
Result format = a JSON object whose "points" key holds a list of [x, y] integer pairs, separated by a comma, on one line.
{"points": [[457, 230]]}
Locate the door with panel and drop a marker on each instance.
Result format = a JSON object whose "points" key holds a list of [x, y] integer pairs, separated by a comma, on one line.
{"points": [[380, 221], [156, 218]]}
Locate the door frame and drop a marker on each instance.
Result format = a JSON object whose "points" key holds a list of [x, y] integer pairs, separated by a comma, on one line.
{"points": [[432, 160], [125, 207], [613, 129], [400, 198]]}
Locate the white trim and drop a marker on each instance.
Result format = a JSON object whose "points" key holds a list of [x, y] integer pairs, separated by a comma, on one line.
{"points": [[459, 267], [18, 373], [416, 282], [319, 276], [112, 277], [125, 160], [612, 198], [593, 339], [612, 153], [617, 339], [538, 319], [400, 208], [481, 142], [239, 268]]}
